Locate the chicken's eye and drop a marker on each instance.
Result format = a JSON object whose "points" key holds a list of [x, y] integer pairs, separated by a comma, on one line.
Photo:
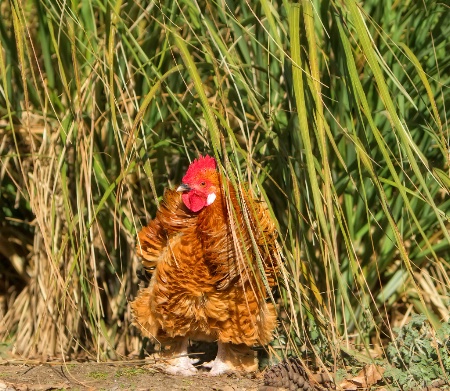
{"points": [[203, 183]]}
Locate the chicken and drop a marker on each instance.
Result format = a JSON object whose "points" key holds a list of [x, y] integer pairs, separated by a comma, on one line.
{"points": [[211, 275]]}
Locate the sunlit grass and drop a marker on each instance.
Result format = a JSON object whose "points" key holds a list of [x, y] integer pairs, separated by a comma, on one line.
{"points": [[334, 113]]}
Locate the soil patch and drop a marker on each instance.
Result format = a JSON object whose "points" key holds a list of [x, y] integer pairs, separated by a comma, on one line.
{"points": [[114, 376]]}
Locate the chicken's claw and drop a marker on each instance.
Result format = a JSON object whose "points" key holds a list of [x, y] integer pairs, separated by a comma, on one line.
{"points": [[180, 366], [176, 360]]}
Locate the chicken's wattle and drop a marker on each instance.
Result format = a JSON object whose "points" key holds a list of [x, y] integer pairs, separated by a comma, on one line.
{"points": [[193, 201]]}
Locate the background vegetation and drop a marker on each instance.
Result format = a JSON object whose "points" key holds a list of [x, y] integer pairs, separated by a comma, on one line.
{"points": [[333, 111]]}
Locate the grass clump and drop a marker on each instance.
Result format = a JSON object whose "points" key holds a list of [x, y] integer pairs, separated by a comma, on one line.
{"points": [[130, 372], [98, 375], [418, 354]]}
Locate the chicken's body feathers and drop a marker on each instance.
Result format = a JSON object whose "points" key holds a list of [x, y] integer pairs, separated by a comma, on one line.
{"points": [[210, 270]]}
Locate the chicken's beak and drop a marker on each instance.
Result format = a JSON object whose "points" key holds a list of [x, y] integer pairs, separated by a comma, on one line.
{"points": [[183, 187]]}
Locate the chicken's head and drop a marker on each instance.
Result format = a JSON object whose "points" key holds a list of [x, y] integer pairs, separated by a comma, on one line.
{"points": [[200, 184]]}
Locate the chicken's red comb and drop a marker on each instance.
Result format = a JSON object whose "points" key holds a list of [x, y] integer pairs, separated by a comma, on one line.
{"points": [[202, 163]]}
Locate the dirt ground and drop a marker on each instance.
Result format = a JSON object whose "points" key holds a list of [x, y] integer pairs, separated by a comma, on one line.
{"points": [[113, 376]]}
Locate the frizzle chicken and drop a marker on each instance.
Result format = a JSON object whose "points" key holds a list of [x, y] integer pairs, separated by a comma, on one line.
{"points": [[208, 257]]}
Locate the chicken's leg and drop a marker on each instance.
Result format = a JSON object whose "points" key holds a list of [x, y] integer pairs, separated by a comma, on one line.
{"points": [[233, 358], [176, 358]]}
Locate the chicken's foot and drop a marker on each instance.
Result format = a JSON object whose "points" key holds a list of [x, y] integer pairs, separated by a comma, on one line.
{"points": [[177, 359], [233, 358]]}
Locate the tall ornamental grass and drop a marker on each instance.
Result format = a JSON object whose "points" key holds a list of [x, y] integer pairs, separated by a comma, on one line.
{"points": [[334, 112]]}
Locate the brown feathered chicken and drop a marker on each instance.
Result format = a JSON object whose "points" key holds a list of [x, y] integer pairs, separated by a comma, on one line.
{"points": [[208, 258]]}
